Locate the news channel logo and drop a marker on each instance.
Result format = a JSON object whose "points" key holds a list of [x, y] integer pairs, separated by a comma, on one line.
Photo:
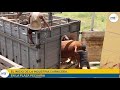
{"points": [[113, 17], [4, 73]]}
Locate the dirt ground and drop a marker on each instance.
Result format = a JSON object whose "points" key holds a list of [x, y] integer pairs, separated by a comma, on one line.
{"points": [[93, 65]]}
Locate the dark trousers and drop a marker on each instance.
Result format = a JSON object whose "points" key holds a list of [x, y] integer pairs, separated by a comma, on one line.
{"points": [[84, 63]]}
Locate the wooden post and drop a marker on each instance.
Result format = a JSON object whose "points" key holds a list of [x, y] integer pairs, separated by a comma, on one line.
{"points": [[92, 22], [38, 50], [50, 18]]}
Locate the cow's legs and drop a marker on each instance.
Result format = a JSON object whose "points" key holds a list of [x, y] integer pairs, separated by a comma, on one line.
{"points": [[63, 60]]}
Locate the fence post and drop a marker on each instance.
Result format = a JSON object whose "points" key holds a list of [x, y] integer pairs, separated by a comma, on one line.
{"points": [[92, 22], [50, 18]]}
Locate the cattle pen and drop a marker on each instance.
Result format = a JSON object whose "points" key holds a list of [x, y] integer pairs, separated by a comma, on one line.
{"points": [[46, 53]]}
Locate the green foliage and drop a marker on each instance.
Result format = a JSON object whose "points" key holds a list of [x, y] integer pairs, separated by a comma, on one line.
{"points": [[85, 18]]}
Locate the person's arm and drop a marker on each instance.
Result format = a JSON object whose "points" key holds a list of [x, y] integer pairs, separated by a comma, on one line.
{"points": [[41, 17], [77, 51]]}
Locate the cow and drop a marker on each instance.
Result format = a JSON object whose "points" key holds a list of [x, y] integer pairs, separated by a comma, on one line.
{"points": [[68, 50], [65, 38]]}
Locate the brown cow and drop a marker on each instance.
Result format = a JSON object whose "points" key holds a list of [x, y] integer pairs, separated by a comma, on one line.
{"points": [[68, 50]]}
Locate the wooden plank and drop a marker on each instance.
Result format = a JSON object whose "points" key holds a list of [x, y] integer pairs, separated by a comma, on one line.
{"points": [[52, 58], [7, 28], [9, 48], [5, 61], [0, 46], [24, 56], [15, 39], [23, 33], [19, 54], [8, 63], [75, 26], [42, 57], [3, 47], [1, 26], [15, 52], [32, 56], [15, 31]]}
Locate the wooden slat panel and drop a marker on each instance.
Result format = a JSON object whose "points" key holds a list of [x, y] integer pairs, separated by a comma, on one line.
{"points": [[24, 56], [9, 48], [52, 57], [32, 55]]}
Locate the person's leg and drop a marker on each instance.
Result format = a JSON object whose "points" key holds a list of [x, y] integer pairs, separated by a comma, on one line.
{"points": [[88, 66], [81, 65], [30, 36]]}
